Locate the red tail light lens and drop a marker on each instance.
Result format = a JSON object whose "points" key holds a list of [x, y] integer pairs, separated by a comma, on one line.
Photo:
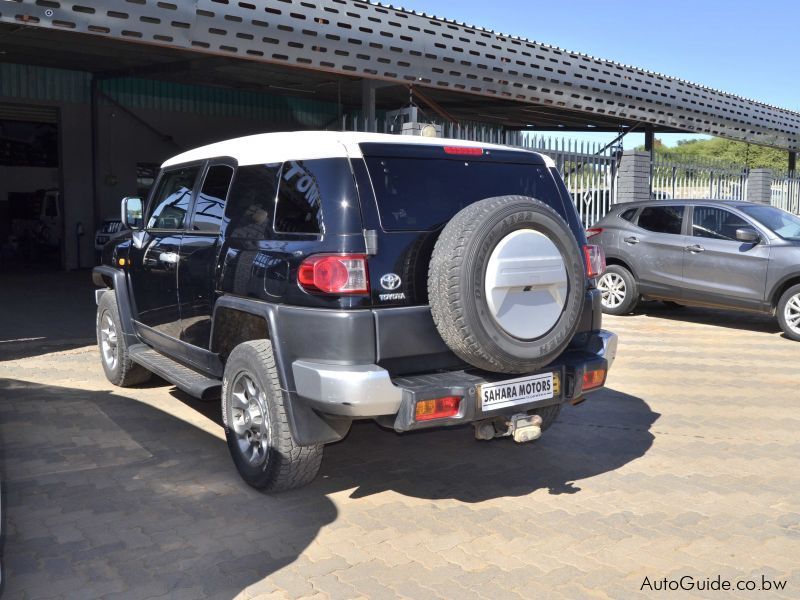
{"points": [[463, 150], [438, 408], [595, 260], [335, 274], [593, 231]]}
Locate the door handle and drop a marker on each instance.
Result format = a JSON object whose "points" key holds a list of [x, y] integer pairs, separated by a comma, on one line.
{"points": [[631, 240], [695, 248], [168, 257]]}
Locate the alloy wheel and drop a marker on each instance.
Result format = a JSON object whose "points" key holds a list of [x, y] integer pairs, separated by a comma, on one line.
{"points": [[250, 419], [791, 313], [108, 342], [612, 286]]}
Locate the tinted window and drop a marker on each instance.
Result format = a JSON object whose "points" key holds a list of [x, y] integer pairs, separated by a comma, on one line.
{"points": [[172, 198], [716, 223], [300, 196], [210, 204], [251, 202], [628, 214], [424, 194], [661, 219]]}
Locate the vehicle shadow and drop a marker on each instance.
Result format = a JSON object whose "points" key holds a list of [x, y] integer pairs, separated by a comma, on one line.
{"points": [[602, 434], [103, 492], [716, 317]]}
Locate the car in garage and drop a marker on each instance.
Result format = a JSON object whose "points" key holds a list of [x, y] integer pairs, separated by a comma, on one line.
{"points": [[724, 254], [315, 278]]}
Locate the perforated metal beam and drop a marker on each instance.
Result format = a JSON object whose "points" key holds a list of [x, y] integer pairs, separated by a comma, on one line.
{"points": [[379, 42]]}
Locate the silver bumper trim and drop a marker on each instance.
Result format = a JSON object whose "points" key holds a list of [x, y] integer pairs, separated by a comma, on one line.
{"points": [[609, 347], [367, 390], [347, 390]]}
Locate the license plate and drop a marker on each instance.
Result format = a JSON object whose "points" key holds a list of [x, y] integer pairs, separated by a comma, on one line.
{"points": [[518, 391]]}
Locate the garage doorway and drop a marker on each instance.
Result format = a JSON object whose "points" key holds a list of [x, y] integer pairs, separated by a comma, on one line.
{"points": [[31, 203]]}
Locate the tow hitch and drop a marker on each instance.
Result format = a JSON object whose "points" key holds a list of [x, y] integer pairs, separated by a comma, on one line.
{"points": [[522, 427]]}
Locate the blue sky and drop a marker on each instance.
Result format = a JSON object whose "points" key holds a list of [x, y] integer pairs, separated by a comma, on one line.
{"points": [[746, 48]]}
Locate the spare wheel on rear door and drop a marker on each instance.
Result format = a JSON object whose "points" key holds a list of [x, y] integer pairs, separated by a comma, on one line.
{"points": [[506, 284]]}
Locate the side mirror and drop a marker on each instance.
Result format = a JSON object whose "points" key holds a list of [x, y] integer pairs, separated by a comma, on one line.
{"points": [[132, 212], [747, 235]]}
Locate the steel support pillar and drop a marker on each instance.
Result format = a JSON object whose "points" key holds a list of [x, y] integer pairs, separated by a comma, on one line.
{"points": [[792, 163], [368, 112], [649, 147]]}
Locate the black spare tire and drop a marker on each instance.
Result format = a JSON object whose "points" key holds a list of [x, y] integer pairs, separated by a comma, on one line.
{"points": [[506, 284]]}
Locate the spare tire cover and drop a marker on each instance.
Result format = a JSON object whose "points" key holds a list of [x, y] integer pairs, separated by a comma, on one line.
{"points": [[506, 284]]}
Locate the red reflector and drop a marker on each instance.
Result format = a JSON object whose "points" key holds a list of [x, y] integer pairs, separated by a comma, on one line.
{"points": [[593, 231], [334, 274], [595, 260], [463, 150], [438, 408], [593, 379]]}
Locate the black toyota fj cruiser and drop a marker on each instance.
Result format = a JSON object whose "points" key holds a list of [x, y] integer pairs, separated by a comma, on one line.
{"points": [[314, 278]]}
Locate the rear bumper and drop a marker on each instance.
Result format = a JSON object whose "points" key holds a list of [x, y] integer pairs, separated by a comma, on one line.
{"points": [[368, 391]]}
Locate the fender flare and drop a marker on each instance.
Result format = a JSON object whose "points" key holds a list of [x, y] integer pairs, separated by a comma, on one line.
{"points": [[108, 278], [308, 427]]}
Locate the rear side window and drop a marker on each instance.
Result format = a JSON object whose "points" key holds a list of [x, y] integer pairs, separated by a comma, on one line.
{"points": [[628, 215], [251, 202], [172, 199], [662, 219], [422, 194], [210, 204], [300, 196]]}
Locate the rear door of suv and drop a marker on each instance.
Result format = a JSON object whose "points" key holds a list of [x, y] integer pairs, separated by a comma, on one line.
{"points": [[655, 248]]}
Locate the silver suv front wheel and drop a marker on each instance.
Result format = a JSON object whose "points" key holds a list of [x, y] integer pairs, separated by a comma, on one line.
{"points": [[789, 312]]}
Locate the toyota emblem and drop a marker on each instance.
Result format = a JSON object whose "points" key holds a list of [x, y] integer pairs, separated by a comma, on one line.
{"points": [[390, 281]]}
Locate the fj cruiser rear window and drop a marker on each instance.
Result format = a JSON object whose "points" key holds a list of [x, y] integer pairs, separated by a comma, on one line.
{"points": [[423, 194]]}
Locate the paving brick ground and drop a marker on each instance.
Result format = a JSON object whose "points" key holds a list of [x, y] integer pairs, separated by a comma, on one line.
{"points": [[688, 464]]}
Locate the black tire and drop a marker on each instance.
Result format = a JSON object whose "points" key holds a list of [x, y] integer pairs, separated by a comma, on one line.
{"points": [[549, 415], [630, 291], [793, 295], [456, 284], [272, 461], [117, 365]]}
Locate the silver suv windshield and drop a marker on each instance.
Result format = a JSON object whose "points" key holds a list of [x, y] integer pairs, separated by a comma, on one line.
{"points": [[781, 222]]}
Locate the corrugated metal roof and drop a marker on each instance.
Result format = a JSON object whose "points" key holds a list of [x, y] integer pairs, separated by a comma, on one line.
{"points": [[43, 84], [59, 85], [216, 101]]}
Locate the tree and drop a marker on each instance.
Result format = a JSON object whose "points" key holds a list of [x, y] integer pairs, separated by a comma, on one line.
{"points": [[726, 151]]}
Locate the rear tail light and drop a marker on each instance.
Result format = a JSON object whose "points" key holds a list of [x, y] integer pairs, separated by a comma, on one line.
{"points": [[463, 150], [595, 260], [593, 231], [438, 408], [335, 274], [593, 379]]}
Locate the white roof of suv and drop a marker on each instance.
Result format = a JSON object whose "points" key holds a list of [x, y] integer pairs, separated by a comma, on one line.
{"points": [[307, 145]]}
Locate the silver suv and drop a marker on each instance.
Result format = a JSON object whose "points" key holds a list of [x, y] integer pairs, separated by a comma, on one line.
{"points": [[722, 254]]}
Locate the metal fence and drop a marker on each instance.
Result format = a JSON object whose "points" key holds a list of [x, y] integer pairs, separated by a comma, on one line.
{"points": [[786, 193], [696, 179]]}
